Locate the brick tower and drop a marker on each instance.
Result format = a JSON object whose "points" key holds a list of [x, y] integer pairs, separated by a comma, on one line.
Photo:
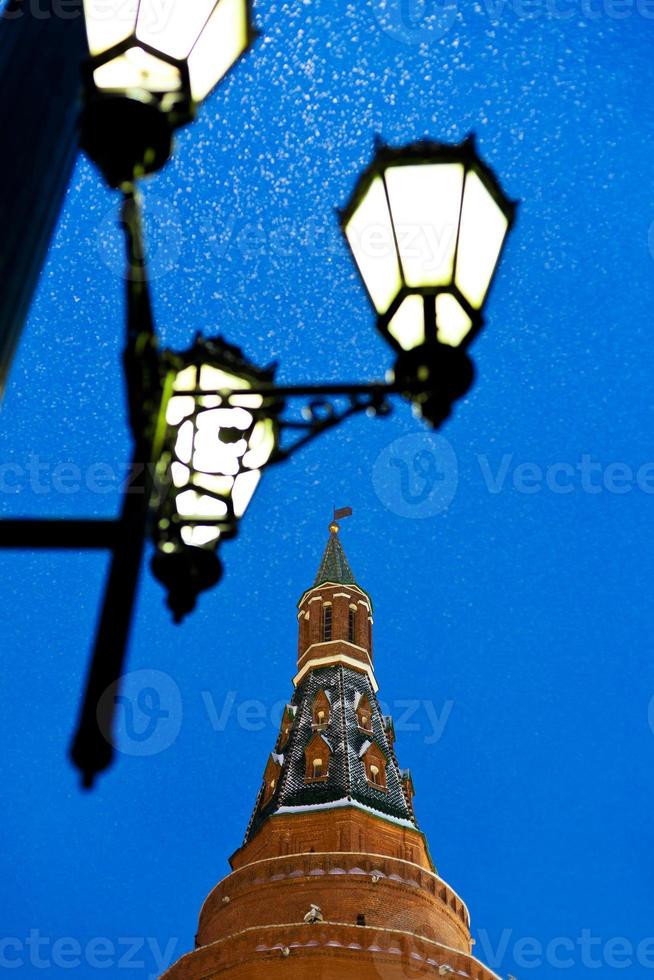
{"points": [[334, 879]]}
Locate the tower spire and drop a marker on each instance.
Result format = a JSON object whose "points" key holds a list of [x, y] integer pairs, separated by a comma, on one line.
{"points": [[334, 566]]}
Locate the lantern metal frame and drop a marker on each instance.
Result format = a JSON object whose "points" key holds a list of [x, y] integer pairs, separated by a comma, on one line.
{"points": [[429, 152], [130, 134]]}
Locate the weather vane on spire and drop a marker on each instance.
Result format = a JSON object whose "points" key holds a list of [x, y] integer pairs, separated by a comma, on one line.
{"points": [[338, 516]]}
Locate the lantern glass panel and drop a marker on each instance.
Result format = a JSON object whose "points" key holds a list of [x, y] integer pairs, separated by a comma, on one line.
{"points": [[108, 22], [172, 27], [483, 229], [224, 38], [370, 235], [200, 536], [137, 69], [218, 449], [452, 322], [261, 445], [244, 487], [408, 325], [193, 506], [426, 203]]}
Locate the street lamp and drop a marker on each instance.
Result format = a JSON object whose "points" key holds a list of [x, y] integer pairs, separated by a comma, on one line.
{"points": [[214, 449], [426, 225], [150, 65]]}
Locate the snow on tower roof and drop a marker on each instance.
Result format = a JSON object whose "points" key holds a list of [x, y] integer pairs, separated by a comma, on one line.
{"points": [[334, 566]]}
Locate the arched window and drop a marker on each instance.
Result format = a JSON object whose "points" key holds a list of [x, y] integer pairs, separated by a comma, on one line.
{"points": [[351, 625], [270, 777], [364, 714], [320, 710], [375, 763], [327, 622], [317, 755]]}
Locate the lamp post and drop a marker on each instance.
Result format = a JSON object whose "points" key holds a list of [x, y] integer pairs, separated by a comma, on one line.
{"points": [[207, 422]]}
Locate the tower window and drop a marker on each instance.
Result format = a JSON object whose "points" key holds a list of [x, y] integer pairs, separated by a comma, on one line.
{"points": [[364, 714], [327, 622], [317, 755], [320, 710], [351, 626], [375, 764]]}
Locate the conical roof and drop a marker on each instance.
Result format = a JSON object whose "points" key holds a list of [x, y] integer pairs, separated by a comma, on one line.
{"points": [[334, 566], [346, 782]]}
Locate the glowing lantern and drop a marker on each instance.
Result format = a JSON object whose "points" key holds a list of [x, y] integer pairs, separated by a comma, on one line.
{"points": [[216, 446], [426, 225], [163, 55]]}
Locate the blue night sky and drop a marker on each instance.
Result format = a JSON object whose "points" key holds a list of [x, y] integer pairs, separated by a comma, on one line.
{"points": [[513, 629]]}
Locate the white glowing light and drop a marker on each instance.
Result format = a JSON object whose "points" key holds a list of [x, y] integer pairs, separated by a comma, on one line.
{"points": [[186, 380], [222, 42], [425, 203], [193, 505], [370, 234], [262, 445], [219, 449], [137, 69], [244, 487], [221, 485], [200, 536], [483, 229], [184, 444], [108, 22], [172, 27], [452, 321], [180, 474], [209, 35], [179, 407], [408, 324]]}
